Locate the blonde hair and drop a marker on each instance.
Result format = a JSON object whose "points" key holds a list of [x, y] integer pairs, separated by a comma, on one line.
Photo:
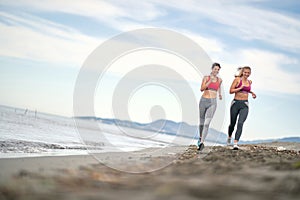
{"points": [[240, 70]]}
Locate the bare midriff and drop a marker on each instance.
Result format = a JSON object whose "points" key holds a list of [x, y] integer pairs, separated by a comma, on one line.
{"points": [[241, 96], [209, 94]]}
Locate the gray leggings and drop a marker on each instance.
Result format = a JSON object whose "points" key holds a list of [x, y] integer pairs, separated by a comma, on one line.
{"points": [[238, 107], [207, 108]]}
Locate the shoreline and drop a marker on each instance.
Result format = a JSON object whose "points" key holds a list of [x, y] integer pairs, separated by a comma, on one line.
{"points": [[59, 153], [48, 164]]}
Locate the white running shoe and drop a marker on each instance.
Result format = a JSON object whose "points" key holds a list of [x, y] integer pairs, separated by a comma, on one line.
{"points": [[228, 141], [235, 147]]}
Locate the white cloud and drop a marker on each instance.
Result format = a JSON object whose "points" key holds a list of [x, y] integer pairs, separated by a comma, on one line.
{"points": [[240, 18], [140, 10], [58, 43], [31, 37], [245, 21], [268, 73], [121, 15], [37, 39], [210, 45], [94, 8]]}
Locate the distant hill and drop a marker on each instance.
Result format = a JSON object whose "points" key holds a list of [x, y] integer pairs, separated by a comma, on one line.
{"points": [[164, 126], [286, 139], [181, 129]]}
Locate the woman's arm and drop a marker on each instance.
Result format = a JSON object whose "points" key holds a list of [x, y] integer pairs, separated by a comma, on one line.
{"points": [[253, 94], [233, 85], [205, 83], [219, 90]]}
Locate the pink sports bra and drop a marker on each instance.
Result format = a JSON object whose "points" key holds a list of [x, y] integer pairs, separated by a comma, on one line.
{"points": [[213, 85], [245, 89]]}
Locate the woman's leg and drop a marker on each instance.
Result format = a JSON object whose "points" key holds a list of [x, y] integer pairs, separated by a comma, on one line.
{"points": [[208, 117], [242, 118], [202, 111], [234, 111]]}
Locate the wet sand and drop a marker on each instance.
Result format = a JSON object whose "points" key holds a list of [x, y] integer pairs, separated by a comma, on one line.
{"points": [[261, 171]]}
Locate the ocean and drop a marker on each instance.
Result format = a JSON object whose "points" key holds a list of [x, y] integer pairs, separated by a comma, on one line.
{"points": [[26, 133]]}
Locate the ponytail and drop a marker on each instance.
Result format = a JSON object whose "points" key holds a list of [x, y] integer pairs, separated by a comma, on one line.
{"points": [[239, 72]]}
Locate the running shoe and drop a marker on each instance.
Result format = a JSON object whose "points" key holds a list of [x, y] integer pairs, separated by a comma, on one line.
{"points": [[228, 141], [199, 141], [201, 146], [235, 147]]}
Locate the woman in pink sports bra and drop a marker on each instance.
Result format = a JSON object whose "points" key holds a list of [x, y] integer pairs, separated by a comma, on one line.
{"points": [[240, 87], [208, 103]]}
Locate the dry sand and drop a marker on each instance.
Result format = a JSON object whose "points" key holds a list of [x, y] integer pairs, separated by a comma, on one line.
{"points": [[254, 172]]}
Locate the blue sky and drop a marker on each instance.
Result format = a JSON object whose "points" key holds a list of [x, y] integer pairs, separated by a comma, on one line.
{"points": [[44, 44]]}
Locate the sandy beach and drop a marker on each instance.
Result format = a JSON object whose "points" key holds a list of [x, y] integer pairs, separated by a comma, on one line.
{"points": [[261, 171]]}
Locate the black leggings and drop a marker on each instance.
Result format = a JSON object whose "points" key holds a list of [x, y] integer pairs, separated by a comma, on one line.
{"points": [[238, 107]]}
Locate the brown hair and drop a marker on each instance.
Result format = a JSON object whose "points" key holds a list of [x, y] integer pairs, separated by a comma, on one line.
{"points": [[215, 64]]}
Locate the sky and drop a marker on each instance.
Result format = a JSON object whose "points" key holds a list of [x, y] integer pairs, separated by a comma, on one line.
{"points": [[44, 44]]}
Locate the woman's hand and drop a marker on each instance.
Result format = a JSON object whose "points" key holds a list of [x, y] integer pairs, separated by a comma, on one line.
{"points": [[253, 95], [205, 84], [220, 96], [210, 80], [242, 86]]}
